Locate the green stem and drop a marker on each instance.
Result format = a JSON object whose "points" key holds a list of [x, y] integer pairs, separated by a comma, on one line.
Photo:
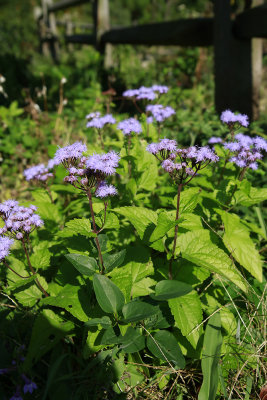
{"points": [[180, 186], [89, 196]]}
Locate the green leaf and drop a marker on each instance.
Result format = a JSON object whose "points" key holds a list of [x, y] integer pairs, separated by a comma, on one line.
{"points": [[169, 289], [132, 341], [84, 264], [164, 224], [47, 330], [189, 199], [73, 299], [138, 311], [148, 177], [112, 261], [130, 276], [40, 259], [29, 294], [80, 226], [237, 240], [197, 247], [140, 217], [210, 358], [164, 346], [143, 287], [256, 195], [108, 295], [105, 322], [187, 313]]}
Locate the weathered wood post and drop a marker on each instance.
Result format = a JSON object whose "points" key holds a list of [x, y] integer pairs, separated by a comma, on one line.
{"points": [[237, 65], [102, 25], [52, 31]]}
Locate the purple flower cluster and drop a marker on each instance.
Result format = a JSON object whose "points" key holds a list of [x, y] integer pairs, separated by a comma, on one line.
{"points": [[96, 121], [69, 154], [104, 190], [146, 93], [103, 164], [215, 140], [181, 164], [5, 244], [19, 221], [129, 126], [229, 118], [39, 172], [247, 150], [159, 112], [163, 148]]}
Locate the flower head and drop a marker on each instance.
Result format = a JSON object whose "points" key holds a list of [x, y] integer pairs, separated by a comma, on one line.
{"points": [[229, 118], [104, 190], [69, 154], [159, 112], [19, 220], [99, 122], [104, 164], [129, 126], [5, 244]]}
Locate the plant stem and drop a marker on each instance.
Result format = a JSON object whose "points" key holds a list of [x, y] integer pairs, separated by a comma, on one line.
{"points": [[101, 139], [32, 269], [89, 196], [180, 186], [11, 269]]}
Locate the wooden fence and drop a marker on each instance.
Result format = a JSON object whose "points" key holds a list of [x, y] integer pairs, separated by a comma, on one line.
{"points": [[237, 43]]}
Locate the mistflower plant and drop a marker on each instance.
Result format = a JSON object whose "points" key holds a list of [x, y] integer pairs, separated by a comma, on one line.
{"points": [[19, 223], [182, 166], [90, 173], [40, 174]]}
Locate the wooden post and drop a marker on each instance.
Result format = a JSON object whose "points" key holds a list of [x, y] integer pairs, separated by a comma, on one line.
{"points": [[102, 25], [52, 32], [237, 64]]}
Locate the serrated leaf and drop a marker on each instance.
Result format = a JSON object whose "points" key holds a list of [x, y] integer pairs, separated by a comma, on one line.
{"points": [[40, 259], [29, 294], [47, 330], [210, 358], [148, 177], [237, 240], [138, 311], [143, 287], [108, 295], [197, 247], [187, 313], [112, 261], [80, 226], [84, 264], [169, 289], [164, 346], [73, 299], [164, 224], [140, 217], [189, 200], [256, 195], [90, 346], [137, 267]]}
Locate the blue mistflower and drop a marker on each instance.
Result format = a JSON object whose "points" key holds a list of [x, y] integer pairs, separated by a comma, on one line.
{"points": [[129, 126], [99, 122], [105, 190], [229, 118], [5, 244], [69, 154], [159, 112]]}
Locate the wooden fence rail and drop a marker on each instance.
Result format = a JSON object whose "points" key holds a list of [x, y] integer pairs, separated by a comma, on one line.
{"points": [[237, 52]]}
